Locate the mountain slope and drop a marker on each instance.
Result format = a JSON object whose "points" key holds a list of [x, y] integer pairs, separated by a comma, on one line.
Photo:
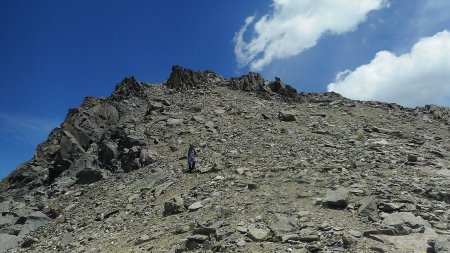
{"points": [[327, 174]]}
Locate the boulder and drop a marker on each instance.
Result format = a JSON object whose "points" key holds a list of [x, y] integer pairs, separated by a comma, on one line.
{"points": [[369, 208], [173, 206], [336, 199], [89, 176], [257, 234]]}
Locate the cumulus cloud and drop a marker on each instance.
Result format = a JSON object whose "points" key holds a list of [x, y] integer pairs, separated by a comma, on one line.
{"points": [[419, 77], [296, 25]]}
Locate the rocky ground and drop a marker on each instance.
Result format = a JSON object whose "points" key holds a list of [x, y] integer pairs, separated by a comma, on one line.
{"points": [[278, 171]]}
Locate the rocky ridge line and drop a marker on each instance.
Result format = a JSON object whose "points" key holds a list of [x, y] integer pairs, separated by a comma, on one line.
{"points": [[324, 158]]}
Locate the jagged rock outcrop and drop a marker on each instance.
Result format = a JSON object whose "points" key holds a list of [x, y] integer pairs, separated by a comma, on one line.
{"points": [[181, 78], [277, 171]]}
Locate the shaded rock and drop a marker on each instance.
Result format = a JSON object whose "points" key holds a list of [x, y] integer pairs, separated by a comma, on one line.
{"points": [[283, 89], [28, 241], [412, 158], [308, 238], [108, 154], [89, 176], [53, 211], [148, 156], [369, 208], [286, 116], [336, 199], [173, 206]]}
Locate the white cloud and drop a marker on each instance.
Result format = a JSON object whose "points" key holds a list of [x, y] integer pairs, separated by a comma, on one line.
{"points": [[296, 25], [412, 79]]}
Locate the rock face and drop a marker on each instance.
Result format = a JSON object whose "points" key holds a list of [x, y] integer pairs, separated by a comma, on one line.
{"points": [[328, 174]]}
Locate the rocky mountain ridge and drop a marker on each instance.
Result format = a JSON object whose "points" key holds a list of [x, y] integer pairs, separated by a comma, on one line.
{"points": [[279, 171]]}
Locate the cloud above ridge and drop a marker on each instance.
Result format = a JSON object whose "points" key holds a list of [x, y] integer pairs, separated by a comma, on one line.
{"points": [[419, 77], [296, 25]]}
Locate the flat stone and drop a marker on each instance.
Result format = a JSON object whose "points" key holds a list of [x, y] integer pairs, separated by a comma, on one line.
{"points": [[356, 233], [198, 237], [195, 206]]}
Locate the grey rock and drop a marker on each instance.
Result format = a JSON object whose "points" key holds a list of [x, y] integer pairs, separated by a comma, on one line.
{"points": [[286, 116], [356, 233], [404, 221], [32, 222], [257, 234], [369, 208], [89, 176], [440, 246], [195, 206], [173, 206], [336, 199], [8, 242], [289, 237], [282, 224]]}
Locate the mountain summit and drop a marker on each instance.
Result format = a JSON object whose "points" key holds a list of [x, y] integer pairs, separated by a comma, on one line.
{"points": [[277, 171]]}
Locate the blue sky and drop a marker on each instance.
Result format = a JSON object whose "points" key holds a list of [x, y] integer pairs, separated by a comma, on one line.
{"points": [[55, 53]]}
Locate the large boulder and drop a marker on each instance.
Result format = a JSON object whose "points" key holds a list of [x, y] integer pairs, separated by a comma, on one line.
{"points": [[336, 198]]}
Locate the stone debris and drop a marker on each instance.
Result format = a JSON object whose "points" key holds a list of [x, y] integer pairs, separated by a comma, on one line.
{"points": [[277, 171]]}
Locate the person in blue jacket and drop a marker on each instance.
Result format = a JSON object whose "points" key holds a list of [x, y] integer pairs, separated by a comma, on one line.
{"points": [[191, 157]]}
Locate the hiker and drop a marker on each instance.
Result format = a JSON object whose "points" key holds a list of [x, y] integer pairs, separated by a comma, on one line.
{"points": [[192, 157]]}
